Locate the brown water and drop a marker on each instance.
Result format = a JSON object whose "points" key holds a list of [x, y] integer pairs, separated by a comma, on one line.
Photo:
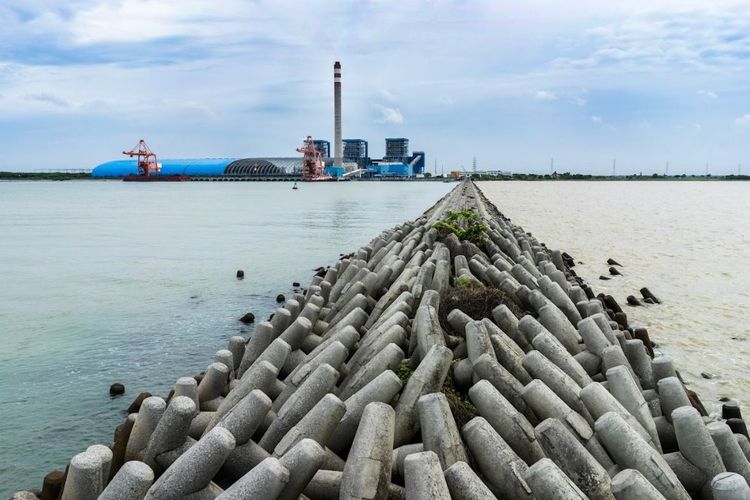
{"points": [[688, 242]]}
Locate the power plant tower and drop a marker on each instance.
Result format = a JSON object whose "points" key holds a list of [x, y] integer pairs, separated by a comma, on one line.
{"points": [[338, 147]]}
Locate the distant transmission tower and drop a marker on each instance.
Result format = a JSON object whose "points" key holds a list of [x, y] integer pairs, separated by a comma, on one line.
{"points": [[474, 164], [552, 165], [614, 167], [666, 170]]}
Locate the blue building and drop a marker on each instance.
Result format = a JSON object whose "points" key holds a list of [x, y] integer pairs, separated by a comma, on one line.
{"points": [[207, 167]]}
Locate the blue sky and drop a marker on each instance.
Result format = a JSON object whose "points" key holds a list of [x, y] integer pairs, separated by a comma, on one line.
{"points": [[512, 84]]}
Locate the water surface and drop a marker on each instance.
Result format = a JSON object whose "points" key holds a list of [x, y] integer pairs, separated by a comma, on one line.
{"points": [[688, 242]]}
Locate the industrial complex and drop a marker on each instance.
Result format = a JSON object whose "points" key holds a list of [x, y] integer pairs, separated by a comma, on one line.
{"points": [[351, 158]]}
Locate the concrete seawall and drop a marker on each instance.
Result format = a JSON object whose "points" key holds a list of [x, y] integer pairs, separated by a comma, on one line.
{"points": [[424, 365]]}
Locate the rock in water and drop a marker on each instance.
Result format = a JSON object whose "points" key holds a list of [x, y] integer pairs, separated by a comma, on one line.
{"points": [[116, 389], [240, 274], [614, 272], [613, 262], [248, 318]]}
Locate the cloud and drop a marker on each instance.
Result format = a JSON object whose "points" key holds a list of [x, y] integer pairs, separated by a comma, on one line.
{"points": [[389, 115], [596, 119], [708, 93], [387, 95], [49, 98], [743, 121], [544, 95]]}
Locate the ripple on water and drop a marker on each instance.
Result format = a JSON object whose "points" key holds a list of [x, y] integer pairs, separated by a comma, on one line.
{"points": [[696, 260]]}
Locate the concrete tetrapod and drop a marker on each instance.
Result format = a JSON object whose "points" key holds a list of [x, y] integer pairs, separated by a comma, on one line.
{"points": [[464, 484], [729, 449], [104, 453], [623, 387], [318, 425], [561, 384], [146, 421], [508, 322], [672, 395], [439, 431], [188, 387], [195, 468], [562, 447], [172, 429], [84, 480], [333, 355], [246, 416], [599, 401], [259, 341], [507, 421], [485, 368], [389, 358], [424, 477], [428, 377], [499, 464], [382, 389], [131, 482], [729, 486], [212, 383], [548, 482], [302, 461], [258, 377], [266, 480], [631, 451], [548, 345], [367, 473], [630, 484], [312, 390], [695, 441]]}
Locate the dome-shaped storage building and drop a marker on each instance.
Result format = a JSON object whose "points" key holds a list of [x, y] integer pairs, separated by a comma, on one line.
{"points": [[208, 167]]}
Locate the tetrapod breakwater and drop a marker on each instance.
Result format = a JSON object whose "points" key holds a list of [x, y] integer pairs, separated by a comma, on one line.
{"points": [[454, 356]]}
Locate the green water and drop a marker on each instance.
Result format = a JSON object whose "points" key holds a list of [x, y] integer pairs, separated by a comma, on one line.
{"points": [[111, 281]]}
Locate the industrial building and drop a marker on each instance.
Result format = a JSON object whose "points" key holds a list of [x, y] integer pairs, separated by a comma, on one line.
{"points": [[209, 167], [323, 146], [347, 157]]}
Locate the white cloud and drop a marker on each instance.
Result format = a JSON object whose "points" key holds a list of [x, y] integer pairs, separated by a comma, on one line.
{"points": [[708, 93], [48, 98], [596, 119], [544, 95], [743, 121], [387, 95], [697, 126], [386, 114]]}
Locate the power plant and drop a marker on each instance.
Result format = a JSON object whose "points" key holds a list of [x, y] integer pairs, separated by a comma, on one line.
{"points": [[337, 144], [351, 158]]}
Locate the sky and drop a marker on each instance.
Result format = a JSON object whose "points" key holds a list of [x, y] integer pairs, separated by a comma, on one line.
{"points": [[640, 84]]}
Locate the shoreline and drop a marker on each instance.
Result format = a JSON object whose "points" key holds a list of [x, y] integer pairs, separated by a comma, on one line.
{"points": [[393, 291]]}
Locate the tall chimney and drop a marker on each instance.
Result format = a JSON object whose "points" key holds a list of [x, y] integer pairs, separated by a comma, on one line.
{"points": [[338, 145]]}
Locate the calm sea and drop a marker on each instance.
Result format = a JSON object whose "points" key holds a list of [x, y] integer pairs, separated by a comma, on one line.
{"points": [[688, 242], [135, 283]]}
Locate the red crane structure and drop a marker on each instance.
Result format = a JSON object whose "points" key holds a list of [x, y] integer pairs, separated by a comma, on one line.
{"points": [[312, 162], [147, 164]]}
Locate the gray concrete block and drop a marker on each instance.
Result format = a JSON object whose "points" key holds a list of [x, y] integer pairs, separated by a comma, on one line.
{"points": [[131, 482], [548, 481], [507, 421], [367, 471], [267, 480], [439, 431], [630, 484], [464, 484], [424, 478], [499, 464]]}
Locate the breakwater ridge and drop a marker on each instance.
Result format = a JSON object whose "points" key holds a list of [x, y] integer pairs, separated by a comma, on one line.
{"points": [[454, 356]]}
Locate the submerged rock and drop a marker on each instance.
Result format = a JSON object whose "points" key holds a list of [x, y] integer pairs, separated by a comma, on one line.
{"points": [[248, 318], [116, 389]]}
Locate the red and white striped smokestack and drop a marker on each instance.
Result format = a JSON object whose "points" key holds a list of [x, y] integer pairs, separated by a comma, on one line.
{"points": [[338, 146]]}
